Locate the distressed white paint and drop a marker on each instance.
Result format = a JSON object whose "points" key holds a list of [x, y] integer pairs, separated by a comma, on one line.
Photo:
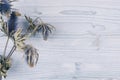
{"points": [[85, 46]]}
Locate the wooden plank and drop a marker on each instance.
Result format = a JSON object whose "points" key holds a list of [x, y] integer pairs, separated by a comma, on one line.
{"points": [[85, 45]]}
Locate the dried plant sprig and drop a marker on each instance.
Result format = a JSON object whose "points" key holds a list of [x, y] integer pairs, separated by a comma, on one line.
{"points": [[11, 31], [31, 24], [10, 26], [40, 26], [5, 65], [31, 55], [19, 38], [4, 27]]}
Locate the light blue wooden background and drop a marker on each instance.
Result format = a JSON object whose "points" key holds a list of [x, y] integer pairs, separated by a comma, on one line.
{"points": [[85, 46]]}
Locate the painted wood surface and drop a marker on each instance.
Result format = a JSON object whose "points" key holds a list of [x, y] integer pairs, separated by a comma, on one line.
{"points": [[85, 45]]}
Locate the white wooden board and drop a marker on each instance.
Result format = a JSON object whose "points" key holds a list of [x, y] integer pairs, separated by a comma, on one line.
{"points": [[85, 46]]}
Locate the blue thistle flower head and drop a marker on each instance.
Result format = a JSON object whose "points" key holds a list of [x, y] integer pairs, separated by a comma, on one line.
{"points": [[12, 22], [5, 7]]}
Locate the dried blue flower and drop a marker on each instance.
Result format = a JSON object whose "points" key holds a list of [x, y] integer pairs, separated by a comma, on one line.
{"points": [[45, 29], [12, 22], [5, 7], [31, 55], [10, 26]]}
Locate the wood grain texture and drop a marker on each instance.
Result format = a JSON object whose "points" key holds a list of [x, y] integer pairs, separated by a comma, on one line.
{"points": [[85, 45]]}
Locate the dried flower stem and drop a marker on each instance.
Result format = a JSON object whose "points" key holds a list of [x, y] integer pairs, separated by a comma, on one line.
{"points": [[0, 76], [6, 46], [32, 32], [11, 52]]}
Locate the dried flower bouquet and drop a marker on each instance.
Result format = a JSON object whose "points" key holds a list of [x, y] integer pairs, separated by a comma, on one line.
{"points": [[11, 31]]}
